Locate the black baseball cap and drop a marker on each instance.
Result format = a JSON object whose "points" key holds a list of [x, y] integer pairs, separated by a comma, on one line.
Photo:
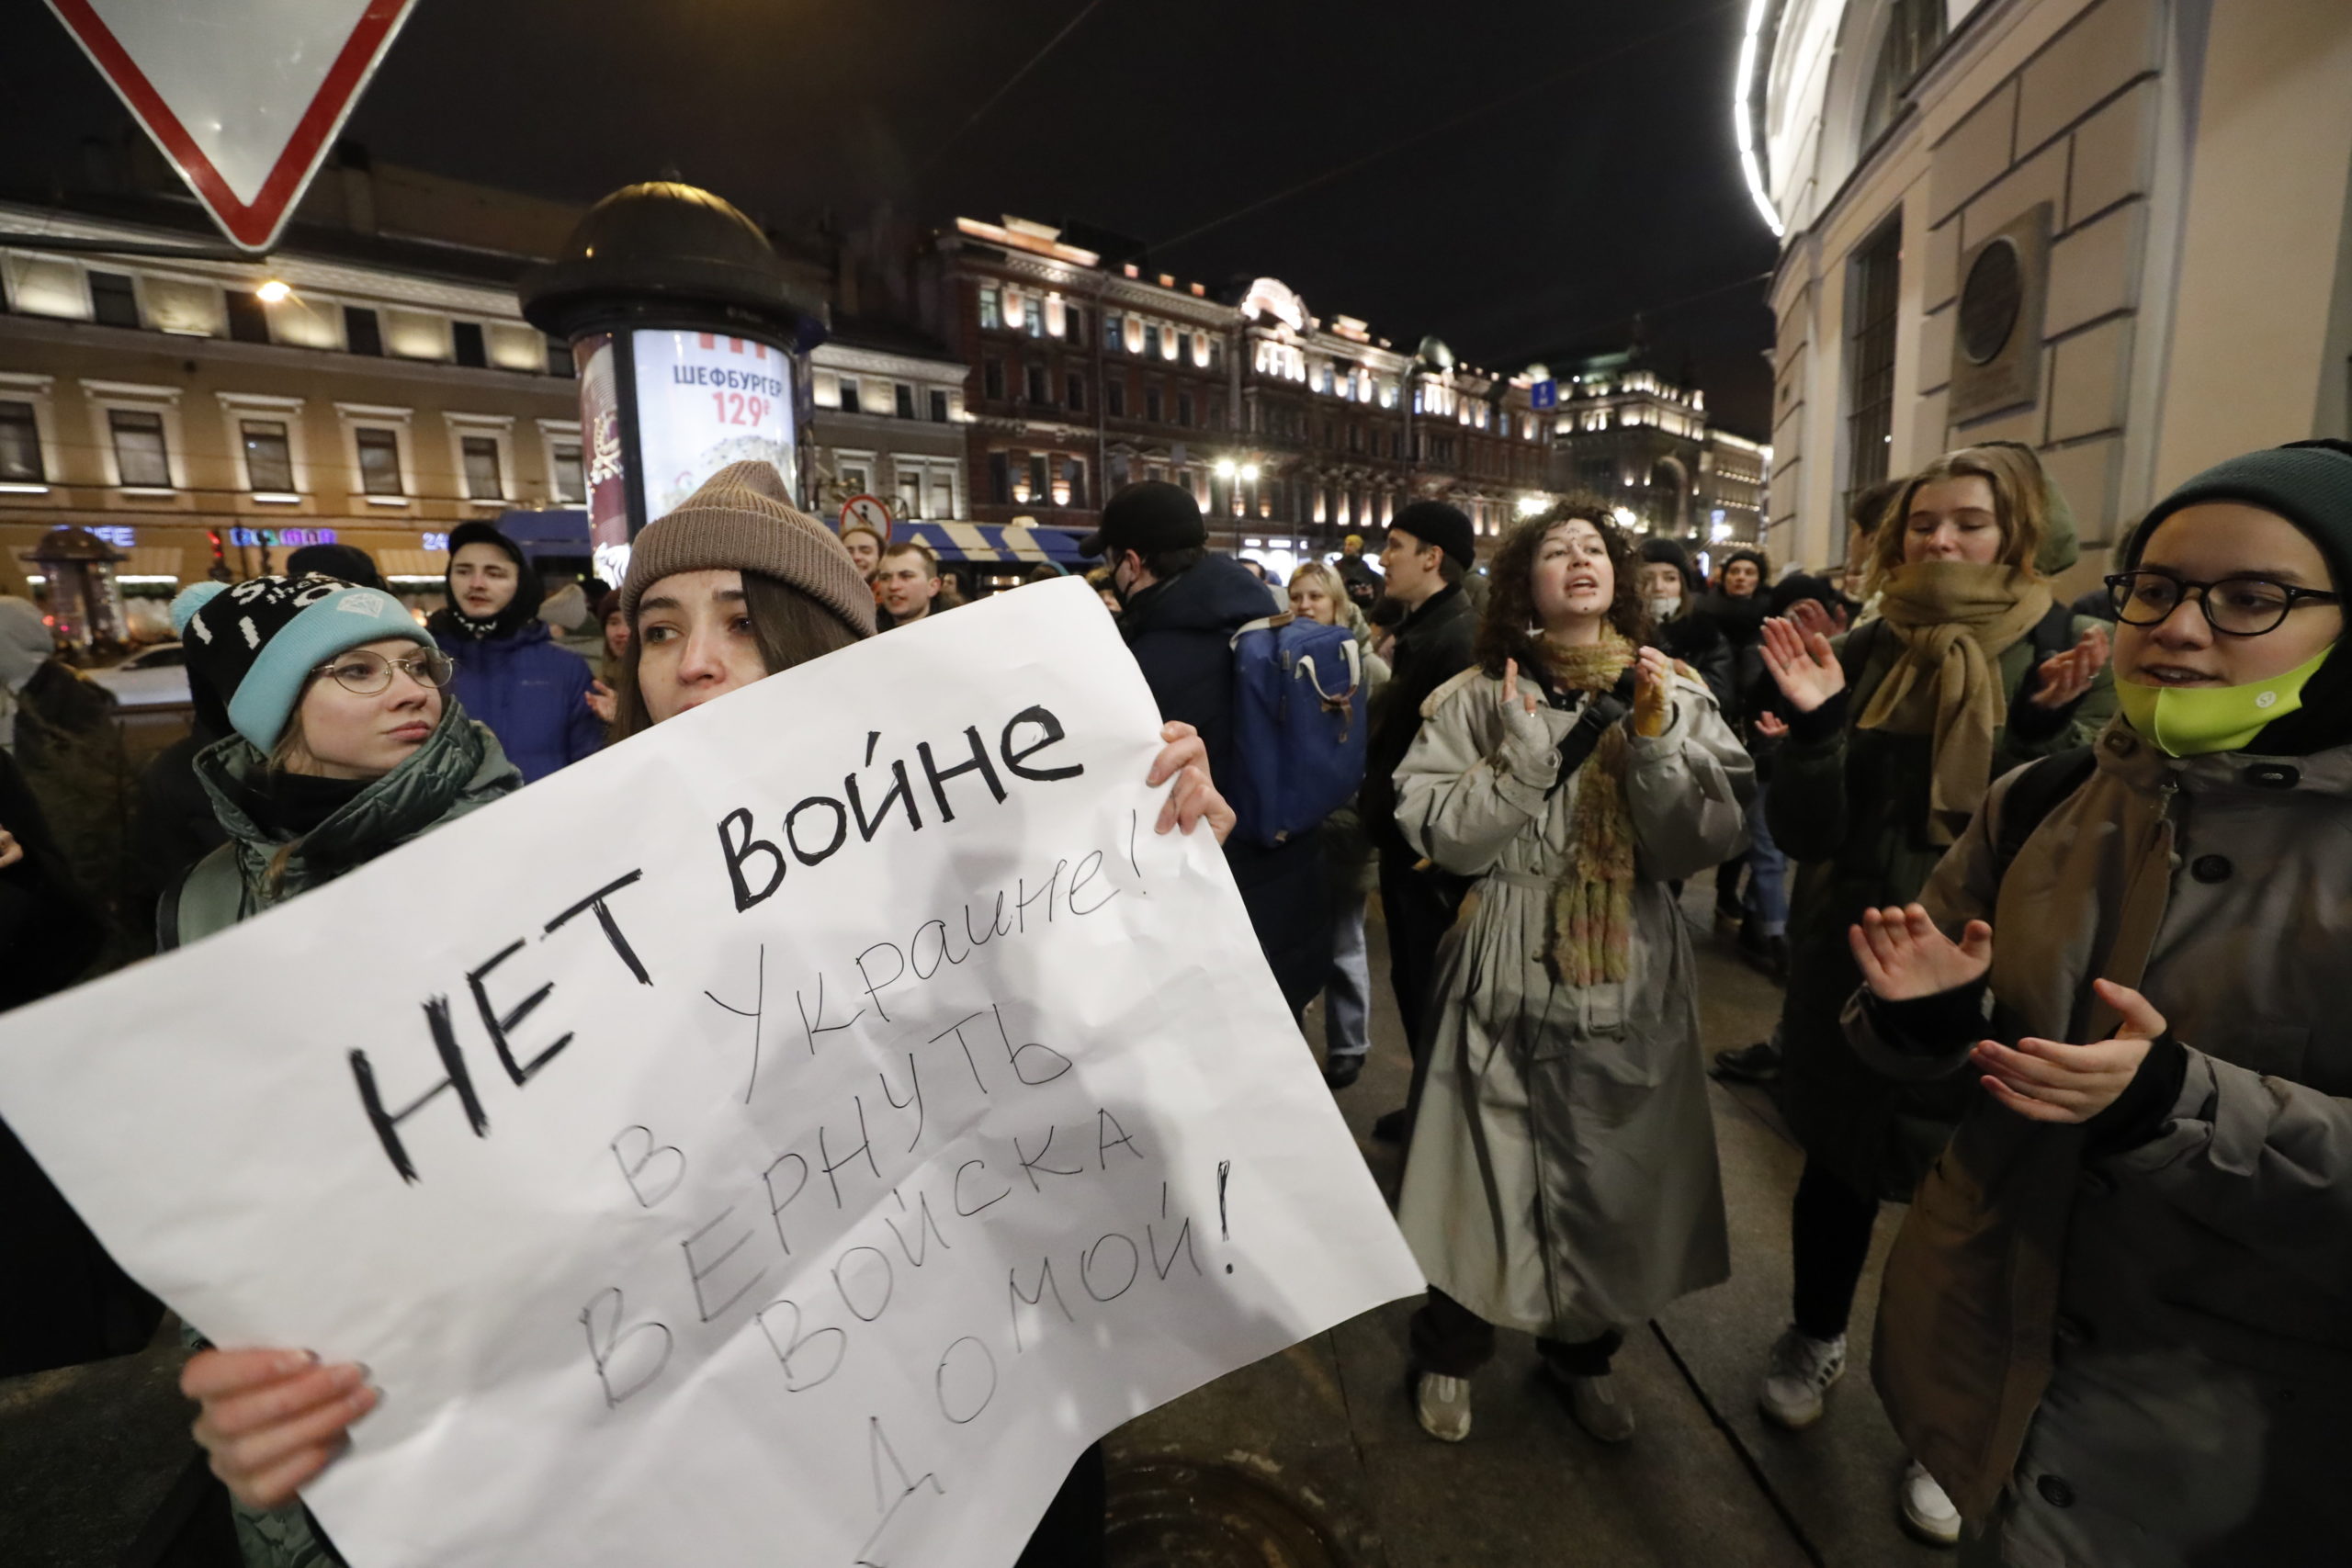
{"points": [[1148, 518]]}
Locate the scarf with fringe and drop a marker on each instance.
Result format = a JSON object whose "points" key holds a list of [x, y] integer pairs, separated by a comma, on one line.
{"points": [[1592, 904]]}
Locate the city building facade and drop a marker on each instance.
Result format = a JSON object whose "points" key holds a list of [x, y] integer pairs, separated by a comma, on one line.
{"points": [[1625, 431], [887, 421], [2115, 231]]}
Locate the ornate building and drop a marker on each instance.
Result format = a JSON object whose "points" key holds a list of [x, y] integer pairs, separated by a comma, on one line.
{"points": [[1623, 430]]}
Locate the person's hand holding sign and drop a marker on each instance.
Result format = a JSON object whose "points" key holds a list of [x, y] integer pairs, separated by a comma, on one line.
{"points": [[1185, 759], [273, 1419]]}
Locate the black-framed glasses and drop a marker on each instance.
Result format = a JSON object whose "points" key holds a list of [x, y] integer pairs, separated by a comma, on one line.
{"points": [[364, 673], [2234, 606]]}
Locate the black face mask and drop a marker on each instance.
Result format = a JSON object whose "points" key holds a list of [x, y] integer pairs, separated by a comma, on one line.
{"points": [[517, 612]]}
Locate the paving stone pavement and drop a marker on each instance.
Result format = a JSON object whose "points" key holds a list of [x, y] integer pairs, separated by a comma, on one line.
{"points": [[1322, 1430]]}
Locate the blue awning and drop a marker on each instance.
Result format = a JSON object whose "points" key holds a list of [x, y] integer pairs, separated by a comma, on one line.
{"points": [[1011, 544]]}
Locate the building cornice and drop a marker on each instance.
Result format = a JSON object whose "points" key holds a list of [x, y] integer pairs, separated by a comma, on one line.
{"points": [[281, 357]]}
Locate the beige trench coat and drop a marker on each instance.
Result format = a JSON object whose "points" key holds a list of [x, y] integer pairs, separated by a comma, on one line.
{"points": [[1562, 1178], [2145, 1359]]}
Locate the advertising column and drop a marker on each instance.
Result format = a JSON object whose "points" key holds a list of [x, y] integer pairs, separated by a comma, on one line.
{"points": [[704, 400]]}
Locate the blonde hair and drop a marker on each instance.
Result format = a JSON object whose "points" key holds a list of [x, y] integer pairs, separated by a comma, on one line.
{"points": [[1327, 578], [2020, 504]]}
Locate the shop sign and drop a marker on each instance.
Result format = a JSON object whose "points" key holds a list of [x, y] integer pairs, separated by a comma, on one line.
{"points": [[704, 400]]}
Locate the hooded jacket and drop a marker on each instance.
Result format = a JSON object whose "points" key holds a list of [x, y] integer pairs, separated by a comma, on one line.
{"points": [[2144, 1354], [532, 694], [1181, 632]]}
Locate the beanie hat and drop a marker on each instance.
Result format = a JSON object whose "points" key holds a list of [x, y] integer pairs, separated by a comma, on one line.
{"points": [[1148, 518], [608, 606], [741, 520], [521, 611], [256, 643], [2309, 484], [1670, 552], [348, 563], [1447, 528]]}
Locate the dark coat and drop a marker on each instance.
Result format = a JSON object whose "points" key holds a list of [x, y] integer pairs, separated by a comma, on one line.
{"points": [[1181, 632], [1851, 807], [532, 694], [67, 1301], [172, 822], [1694, 638], [1434, 645]]}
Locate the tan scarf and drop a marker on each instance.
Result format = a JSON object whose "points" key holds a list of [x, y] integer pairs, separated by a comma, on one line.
{"points": [[1592, 904], [1955, 619]]}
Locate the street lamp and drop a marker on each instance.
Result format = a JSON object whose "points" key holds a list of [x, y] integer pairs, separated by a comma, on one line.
{"points": [[1529, 506], [1225, 468], [1250, 473]]}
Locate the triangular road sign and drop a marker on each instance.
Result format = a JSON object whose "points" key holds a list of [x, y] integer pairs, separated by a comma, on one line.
{"points": [[244, 97]]}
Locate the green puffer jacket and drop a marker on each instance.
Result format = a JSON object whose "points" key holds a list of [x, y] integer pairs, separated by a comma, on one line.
{"points": [[1851, 811], [458, 769]]}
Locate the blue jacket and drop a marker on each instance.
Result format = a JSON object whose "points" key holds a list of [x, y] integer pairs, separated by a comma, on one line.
{"points": [[532, 694]]}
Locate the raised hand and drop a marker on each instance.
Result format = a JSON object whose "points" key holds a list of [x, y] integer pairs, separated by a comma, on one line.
{"points": [[601, 701], [1814, 620], [1803, 665], [2048, 1080], [1904, 957], [2066, 676], [1771, 725], [1652, 692], [1519, 710]]}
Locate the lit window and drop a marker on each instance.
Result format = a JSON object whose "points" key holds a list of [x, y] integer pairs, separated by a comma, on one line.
{"points": [[991, 307], [570, 484], [20, 460], [269, 458], [1053, 317], [942, 494], [1014, 307], [483, 480], [380, 461]]}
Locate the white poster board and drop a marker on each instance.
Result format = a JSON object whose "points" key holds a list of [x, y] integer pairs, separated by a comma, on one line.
{"points": [[704, 400], [790, 1135]]}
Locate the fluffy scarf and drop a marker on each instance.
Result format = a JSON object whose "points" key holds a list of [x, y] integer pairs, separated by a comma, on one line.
{"points": [[1592, 904], [1954, 619]]}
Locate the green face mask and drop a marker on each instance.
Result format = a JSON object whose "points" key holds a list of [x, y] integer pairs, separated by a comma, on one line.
{"points": [[2191, 721]]}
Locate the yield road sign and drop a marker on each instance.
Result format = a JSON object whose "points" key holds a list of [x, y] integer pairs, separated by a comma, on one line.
{"points": [[243, 96]]}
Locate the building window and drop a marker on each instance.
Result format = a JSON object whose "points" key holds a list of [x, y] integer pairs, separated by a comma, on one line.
{"points": [[559, 360], [992, 379], [999, 478], [1036, 389], [938, 406], [361, 333], [943, 493], [854, 477], [1914, 30], [1114, 397], [20, 445], [910, 488], [1151, 340], [1036, 478], [138, 456], [1114, 331], [849, 395], [1878, 268], [1152, 408], [379, 460], [114, 299], [248, 318], [570, 483], [466, 338], [483, 482], [1184, 409], [1076, 400], [270, 456], [1035, 318], [991, 307], [904, 397], [1076, 320], [1071, 492]]}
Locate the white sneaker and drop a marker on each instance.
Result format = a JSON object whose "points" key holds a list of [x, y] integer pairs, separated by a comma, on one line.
{"points": [[1443, 1405], [1796, 1374], [1928, 1514]]}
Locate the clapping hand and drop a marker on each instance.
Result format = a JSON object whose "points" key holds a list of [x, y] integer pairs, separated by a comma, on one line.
{"points": [[2064, 677], [601, 702], [1814, 619], [1904, 957], [1652, 692], [2048, 1080], [1801, 663]]}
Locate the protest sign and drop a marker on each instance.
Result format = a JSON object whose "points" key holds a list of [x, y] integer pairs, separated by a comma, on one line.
{"points": [[788, 1136]]}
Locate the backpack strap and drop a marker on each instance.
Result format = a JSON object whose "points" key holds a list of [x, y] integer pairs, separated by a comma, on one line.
{"points": [[208, 895], [2032, 796]]}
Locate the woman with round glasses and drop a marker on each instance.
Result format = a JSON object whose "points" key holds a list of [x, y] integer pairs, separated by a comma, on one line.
{"points": [[1894, 734], [2118, 1322]]}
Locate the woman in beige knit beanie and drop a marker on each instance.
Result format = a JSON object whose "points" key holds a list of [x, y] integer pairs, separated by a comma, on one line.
{"points": [[737, 584]]}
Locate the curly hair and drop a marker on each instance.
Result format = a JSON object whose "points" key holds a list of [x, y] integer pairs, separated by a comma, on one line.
{"points": [[1509, 629]]}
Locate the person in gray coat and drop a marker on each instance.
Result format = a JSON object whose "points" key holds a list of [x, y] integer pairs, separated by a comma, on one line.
{"points": [[2117, 1325], [1562, 1177]]}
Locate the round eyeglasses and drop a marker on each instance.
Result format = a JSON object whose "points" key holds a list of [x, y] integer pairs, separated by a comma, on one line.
{"points": [[2234, 606], [365, 674]]}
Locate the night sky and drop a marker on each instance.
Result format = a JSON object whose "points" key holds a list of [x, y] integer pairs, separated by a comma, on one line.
{"points": [[1562, 166]]}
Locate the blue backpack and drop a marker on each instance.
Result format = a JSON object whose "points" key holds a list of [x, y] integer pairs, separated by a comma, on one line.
{"points": [[1299, 726]]}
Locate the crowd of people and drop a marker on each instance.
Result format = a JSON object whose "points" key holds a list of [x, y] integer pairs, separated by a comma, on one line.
{"points": [[2048, 885]]}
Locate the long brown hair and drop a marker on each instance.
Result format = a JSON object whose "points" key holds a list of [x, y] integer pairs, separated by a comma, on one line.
{"points": [[1509, 629], [2020, 504], [791, 629]]}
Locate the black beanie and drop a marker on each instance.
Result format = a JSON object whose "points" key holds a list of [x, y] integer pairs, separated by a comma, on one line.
{"points": [[347, 562], [1447, 528], [521, 610], [1148, 518], [2309, 484], [1670, 552]]}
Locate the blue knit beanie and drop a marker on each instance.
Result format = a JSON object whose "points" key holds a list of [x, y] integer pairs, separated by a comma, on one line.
{"points": [[257, 641]]}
